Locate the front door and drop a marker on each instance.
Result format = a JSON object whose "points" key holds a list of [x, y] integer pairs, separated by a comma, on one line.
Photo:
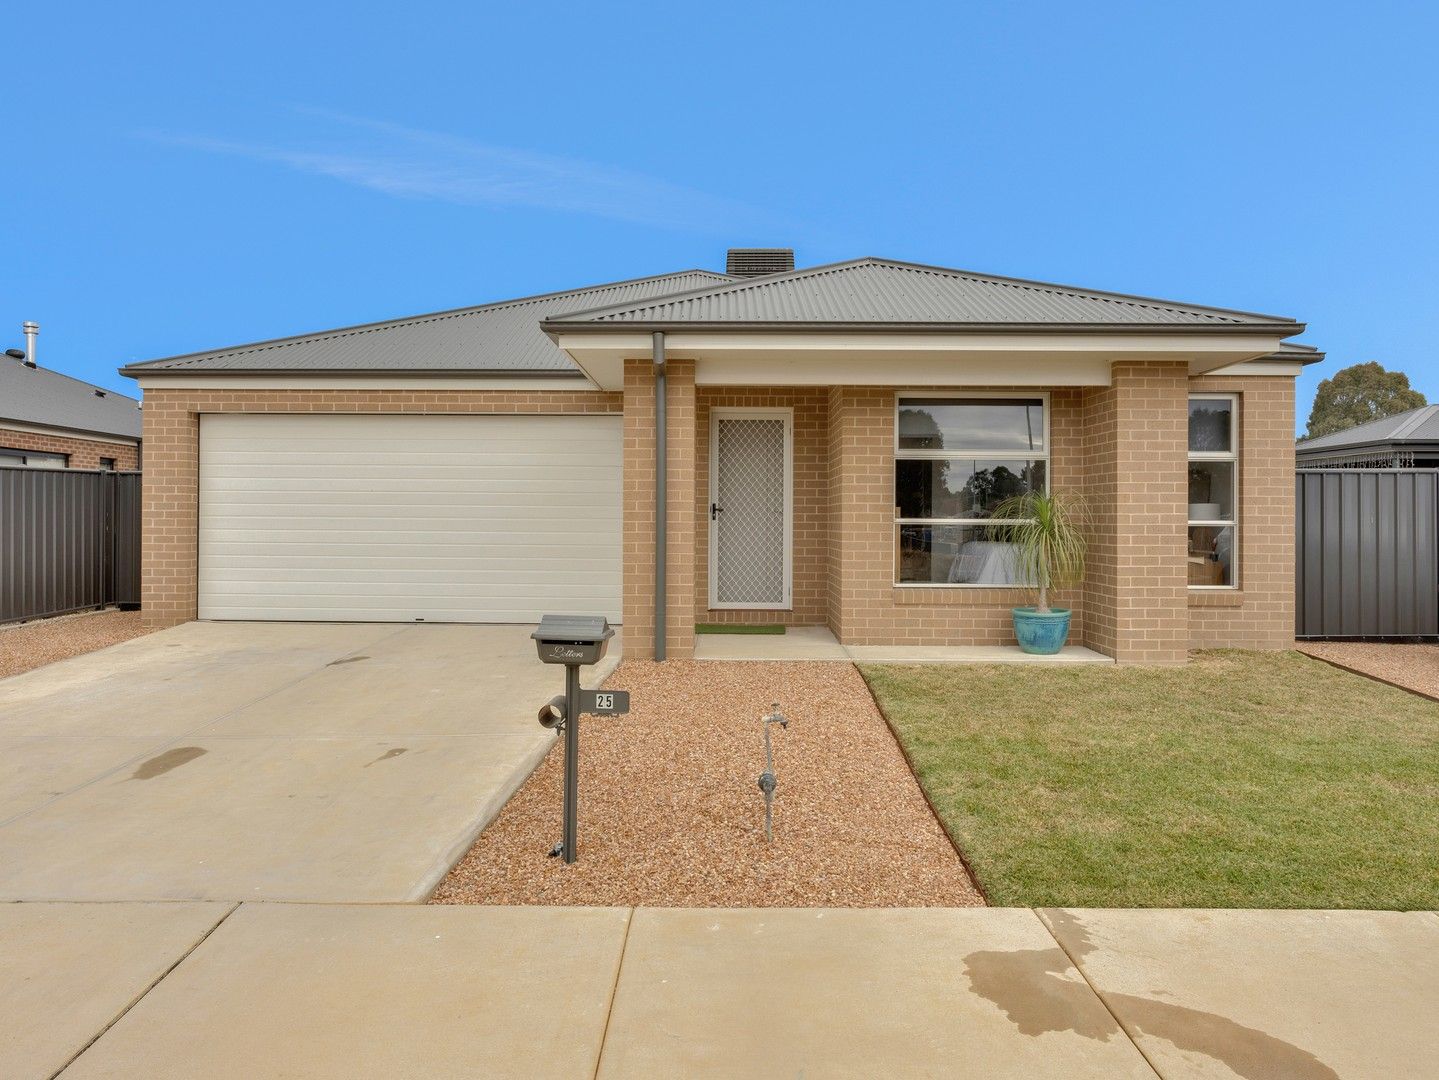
{"points": [[750, 469]]}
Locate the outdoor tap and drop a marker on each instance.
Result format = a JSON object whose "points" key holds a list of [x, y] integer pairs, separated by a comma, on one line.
{"points": [[767, 779]]}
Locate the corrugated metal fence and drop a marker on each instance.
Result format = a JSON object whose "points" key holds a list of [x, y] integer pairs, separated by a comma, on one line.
{"points": [[1367, 560], [69, 540]]}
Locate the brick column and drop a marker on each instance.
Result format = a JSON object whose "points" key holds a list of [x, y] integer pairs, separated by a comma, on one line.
{"points": [[682, 510], [1135, 446], [639, 512], [169, 553]]}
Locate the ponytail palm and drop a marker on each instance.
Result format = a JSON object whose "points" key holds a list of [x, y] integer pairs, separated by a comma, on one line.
{"points": [[1045, 530]]}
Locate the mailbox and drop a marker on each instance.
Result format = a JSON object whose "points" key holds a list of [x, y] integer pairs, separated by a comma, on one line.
{"points": [[573, 639]]}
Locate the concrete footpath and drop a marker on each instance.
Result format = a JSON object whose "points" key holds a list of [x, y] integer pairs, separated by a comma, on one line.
{"points": [[257, 990]]}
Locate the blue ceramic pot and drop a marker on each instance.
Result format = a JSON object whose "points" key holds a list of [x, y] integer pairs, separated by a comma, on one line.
{"points": [[1043, 634]]}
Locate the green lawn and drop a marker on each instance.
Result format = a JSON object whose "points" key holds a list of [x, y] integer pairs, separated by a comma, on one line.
{"points": [[1239, 780]]}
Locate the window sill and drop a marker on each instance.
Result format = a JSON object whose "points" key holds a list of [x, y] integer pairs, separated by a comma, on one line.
{"points": [[960, 595], [1216, 598]]}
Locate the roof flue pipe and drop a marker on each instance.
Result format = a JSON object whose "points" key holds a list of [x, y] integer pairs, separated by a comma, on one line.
{"points": [[31, 330]]}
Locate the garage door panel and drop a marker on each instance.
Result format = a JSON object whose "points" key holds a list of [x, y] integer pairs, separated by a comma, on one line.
{"points": [[387, 518]]}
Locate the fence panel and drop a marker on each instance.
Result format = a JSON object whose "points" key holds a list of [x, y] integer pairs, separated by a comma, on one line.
{"points": [[1367, 553], [69, 540]]}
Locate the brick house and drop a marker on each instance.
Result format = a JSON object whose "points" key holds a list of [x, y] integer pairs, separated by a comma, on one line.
{"points": [[51, 421], [833, 438]]}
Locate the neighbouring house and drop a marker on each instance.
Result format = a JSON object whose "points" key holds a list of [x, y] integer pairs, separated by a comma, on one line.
{"points": [[51, 421], [1406, 440], [832, 439]]}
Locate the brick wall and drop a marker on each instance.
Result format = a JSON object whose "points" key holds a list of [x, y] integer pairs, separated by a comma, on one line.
{"points": [[83, 453], [811, 501], [865, 606], [1260, 613], [169, 560], [1136, 484], [639, 509]]}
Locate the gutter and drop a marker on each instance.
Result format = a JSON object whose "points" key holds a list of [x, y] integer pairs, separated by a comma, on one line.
{"points": [[553, 327], [135, 371], [657, 351]]}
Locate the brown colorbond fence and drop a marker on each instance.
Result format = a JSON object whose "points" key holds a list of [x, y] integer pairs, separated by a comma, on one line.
{"points": [[69, 540], [1367, 553]]}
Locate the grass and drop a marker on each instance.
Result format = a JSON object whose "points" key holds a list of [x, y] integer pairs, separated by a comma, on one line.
{"points": [[1238, 780], [736, 628]]}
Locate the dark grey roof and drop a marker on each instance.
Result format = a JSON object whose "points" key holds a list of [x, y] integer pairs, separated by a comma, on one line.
{"points": [[499, 337], [40, 396], [1419, 425], [882, 293]]}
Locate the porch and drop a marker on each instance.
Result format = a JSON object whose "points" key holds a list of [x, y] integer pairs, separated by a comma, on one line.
{"points": [[819, 643]]}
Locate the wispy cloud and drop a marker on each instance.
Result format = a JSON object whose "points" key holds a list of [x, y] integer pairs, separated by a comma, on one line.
{"points": [[416, 164]]}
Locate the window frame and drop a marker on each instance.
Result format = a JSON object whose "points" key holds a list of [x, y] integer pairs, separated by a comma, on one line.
{"points": [[48, 456], [902, 454], [1232, 457]]}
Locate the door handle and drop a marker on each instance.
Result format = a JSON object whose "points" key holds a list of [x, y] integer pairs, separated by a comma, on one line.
{"points": [[715, 511]]}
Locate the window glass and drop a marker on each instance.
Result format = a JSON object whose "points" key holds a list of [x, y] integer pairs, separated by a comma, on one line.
{"points": [[960, 487], [1210, 424], [1211, 491], [952, 555], [975, 424], [1211, 555]]}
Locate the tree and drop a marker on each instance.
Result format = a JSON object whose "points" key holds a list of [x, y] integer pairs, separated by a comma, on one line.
{"points": [[1358, 394]]}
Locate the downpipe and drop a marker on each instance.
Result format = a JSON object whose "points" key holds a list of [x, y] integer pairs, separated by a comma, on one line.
{"points": [[661, 489]]}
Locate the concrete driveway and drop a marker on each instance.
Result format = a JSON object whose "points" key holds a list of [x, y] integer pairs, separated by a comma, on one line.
{"points": [[275, 761]]}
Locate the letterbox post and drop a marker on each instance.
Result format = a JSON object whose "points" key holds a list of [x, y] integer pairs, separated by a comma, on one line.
{"points": [[574, 640], [572, 763]]}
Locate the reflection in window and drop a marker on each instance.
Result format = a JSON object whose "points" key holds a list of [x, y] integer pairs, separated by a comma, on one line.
{"points": [[1213, 493], [956, 459]]}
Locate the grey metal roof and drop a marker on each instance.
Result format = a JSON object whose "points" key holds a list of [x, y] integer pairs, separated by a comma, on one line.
{"points": [[1294, 350], [498, 337], [882, 293], [1419, 425], [40, 396]]}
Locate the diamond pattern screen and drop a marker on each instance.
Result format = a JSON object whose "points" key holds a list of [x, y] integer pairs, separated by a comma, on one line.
{"points": [[749, 536]]}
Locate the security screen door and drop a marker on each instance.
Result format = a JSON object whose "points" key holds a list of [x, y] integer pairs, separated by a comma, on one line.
{"points": [[750, 455]]}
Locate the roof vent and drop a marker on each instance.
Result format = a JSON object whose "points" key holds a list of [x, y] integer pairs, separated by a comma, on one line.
{"points": [[757, 262]]}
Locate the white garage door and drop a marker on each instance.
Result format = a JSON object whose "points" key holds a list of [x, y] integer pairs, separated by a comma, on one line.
{"points": [[405, 518]]}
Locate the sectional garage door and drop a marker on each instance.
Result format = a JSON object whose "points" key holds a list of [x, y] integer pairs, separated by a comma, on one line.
{"points": [[408, 518]]}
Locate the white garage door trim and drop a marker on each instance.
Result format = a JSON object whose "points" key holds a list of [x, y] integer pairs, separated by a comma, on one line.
{"points": [[380, 518]]}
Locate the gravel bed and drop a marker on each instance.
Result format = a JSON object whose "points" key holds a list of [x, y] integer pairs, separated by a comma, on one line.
{"points": [[34, 644], [1414, 667], [671, 813]]}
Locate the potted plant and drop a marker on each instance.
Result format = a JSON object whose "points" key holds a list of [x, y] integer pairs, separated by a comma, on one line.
{"points": [[1044, 530]]}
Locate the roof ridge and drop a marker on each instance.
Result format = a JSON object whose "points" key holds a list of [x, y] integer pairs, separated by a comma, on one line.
{"points": [[265, 344], [1420, 415], [1230, 315], [737, 285]]}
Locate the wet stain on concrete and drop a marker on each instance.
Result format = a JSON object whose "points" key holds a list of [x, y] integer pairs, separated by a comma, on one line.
{"points": [[346, 660], [1039, 993], [163, 763], [1027, 985], [396, 752], [1253, 1054]]}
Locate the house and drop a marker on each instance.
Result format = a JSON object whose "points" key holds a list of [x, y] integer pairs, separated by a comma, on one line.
{"points": [[812, 446], [1407, 440], [51, 421]]}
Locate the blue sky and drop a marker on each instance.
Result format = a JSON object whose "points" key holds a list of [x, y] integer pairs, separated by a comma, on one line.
{"points": [[184, 176]]}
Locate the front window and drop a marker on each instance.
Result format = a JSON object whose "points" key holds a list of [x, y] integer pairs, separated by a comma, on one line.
{"points": [[1213, 491], [956, 459]]}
